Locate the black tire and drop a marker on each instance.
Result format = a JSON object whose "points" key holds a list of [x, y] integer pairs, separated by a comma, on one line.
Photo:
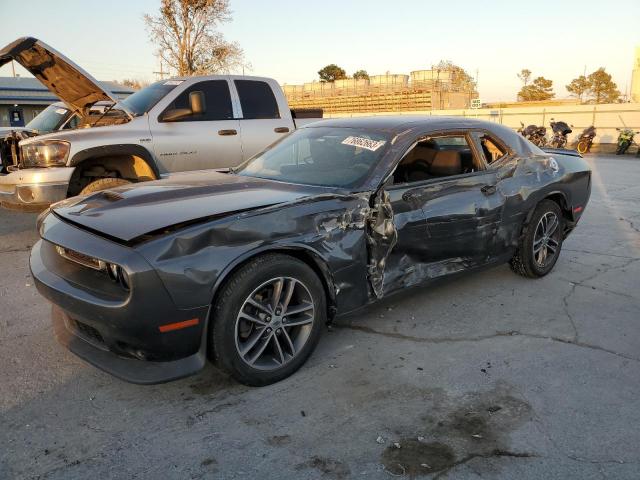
{"points": [[103, 184], [622, 148], [524, 261], [583, 147], [223, 346]]}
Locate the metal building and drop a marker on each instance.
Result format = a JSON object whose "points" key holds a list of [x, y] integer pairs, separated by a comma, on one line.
{"points": [[21, 99]]}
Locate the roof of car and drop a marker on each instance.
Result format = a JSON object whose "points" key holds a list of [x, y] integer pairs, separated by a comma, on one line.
{"points": [[398, 123], [416, 124]]}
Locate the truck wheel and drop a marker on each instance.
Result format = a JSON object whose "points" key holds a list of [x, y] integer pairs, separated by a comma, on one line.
{"points": [[539, 247], [103, 184], [267, 320]]}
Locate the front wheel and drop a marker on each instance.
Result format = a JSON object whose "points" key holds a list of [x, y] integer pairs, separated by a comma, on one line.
{"points": [[622, 148], [540, 245], [583, 147], [103, 184], [268, 319]]}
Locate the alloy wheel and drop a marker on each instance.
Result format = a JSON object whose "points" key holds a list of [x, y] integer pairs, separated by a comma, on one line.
{"points": [[274, 323], [546, 242]]}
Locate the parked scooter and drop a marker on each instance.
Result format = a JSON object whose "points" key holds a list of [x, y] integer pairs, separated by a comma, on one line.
{"points": [[535, 134], [586, 140], [625, 139], [560, 131]]}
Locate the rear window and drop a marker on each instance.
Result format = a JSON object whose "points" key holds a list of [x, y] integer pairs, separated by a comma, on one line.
{"points": [[257, 99]]}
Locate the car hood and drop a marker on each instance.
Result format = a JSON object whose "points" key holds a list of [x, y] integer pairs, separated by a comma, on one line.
{"points": [[126, 213], [7, 131], [61, 76]]}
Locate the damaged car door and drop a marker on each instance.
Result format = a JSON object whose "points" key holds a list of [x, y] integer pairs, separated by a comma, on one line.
{"points": [[447, 209]]}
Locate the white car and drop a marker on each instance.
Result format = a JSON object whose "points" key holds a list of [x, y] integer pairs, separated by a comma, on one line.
{"points": [[170, 127]]}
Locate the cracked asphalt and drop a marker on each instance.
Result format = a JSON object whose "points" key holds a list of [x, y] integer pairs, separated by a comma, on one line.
{"points": [[491, 375]]}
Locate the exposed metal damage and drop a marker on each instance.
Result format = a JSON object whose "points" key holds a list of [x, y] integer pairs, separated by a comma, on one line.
{"points": [[382, 236]]}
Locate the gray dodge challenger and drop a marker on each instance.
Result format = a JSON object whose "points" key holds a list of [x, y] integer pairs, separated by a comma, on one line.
{"points": [[247, 267]]}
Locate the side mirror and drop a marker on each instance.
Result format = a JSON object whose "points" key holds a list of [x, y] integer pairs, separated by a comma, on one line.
{"points": [[197, 106], [197, 103]]}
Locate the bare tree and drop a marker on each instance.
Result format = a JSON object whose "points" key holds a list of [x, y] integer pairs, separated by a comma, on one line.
{"points": [[525, 75], [187, 40]]}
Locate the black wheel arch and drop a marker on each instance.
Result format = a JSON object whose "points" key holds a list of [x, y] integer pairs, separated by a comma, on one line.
{"points": [[300, 252], [557, 196]]}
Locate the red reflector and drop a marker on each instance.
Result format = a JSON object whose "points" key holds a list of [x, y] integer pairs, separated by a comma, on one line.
{"points": [[577, 209], [178, 325]]}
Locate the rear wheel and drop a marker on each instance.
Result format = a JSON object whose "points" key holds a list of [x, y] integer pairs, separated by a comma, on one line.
{"points": [[103, 184], [268, 319], [539, 247]]}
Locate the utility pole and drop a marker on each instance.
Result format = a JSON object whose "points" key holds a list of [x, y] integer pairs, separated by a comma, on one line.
{"points": [[161, 72], [13, 69]]}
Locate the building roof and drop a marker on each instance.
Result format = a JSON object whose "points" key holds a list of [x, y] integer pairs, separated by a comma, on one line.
{"points": [[29, 91]]}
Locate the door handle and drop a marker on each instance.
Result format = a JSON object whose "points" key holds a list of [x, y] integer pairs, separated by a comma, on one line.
{"points": [[281, 129], [488, 189], [227, 132]]}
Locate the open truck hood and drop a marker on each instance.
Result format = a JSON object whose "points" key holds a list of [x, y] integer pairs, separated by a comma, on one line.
{"points": [[127, 213], [61, 76]]}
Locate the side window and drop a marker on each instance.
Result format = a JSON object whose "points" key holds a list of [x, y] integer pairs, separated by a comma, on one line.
{"points": [[436, 157], [491, 149], [257, 99], [217, 101], [72, 123]]}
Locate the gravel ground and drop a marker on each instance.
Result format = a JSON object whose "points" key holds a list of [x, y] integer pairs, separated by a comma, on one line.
{"points": [[491, 375]]}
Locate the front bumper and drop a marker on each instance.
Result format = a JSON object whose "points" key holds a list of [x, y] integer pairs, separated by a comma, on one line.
{"points": [[128, 369], [115, 330], [34, 189]]}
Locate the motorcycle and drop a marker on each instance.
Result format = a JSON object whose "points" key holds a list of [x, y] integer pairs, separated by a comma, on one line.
{"points": [[560, 131], [535, 134], [586, 140], [625, 139]]}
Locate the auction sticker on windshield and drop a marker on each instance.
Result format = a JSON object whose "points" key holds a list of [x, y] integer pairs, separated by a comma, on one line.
{"points": [[367, 143]]}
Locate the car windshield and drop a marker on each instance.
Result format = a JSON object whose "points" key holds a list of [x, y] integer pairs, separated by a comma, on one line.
{"points": [[327, 156], [144, 100], [50, 119]]}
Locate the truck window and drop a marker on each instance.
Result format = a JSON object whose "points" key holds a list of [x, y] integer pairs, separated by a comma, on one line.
{"points": [[257, 100], [217, 101]]}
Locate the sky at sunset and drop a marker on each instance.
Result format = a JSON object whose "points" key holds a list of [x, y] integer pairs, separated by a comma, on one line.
{"points": [[292, 40]]}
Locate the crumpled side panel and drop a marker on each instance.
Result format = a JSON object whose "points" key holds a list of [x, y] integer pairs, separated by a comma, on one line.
{"points": [[382, 236], [330, 228]]}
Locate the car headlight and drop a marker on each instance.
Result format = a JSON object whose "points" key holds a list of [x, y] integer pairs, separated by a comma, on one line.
{"points": [[46, 153]]}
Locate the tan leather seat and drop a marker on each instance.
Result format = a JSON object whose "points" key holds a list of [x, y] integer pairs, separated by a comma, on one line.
{"points": [[445, 163]]}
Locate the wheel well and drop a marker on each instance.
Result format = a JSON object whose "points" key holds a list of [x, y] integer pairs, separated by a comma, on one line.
{"points": [[562, 203], [129, 167], [313, 261]]}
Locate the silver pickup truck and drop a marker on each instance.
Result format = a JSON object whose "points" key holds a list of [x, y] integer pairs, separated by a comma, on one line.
{"points": [[170, 127]]}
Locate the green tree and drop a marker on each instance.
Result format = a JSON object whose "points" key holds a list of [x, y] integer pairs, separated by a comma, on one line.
{"points": [[540, 89], [361, 75], [331, 73], [524, 75], [578, 87], [601, 88]]}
